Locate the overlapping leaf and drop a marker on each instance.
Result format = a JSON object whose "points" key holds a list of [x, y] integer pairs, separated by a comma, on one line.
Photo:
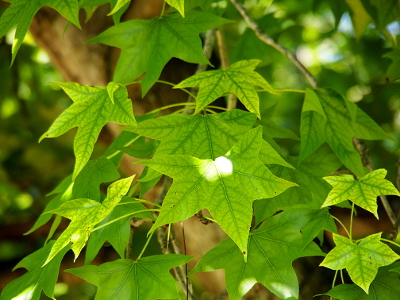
{"points": [[360, 260], [272, 248], [226, 186], [21, 12], [393, 72], [91, 110], [363, 192], [84, 215], [117, 233], [327, 117], [239, 79], [38, 277], [147, 45], [145, 279], [386, 285]]}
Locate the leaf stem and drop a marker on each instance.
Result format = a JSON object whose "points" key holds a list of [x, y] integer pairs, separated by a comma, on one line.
{"points": [[163, 10], [285, 90], [126, 144], [269, 41], [351, 221], [334, 278], [139, 200], [165, 82], [217, 107], [344, 227], [145, 246], [389, 241], [172, 105], [341, 276]]}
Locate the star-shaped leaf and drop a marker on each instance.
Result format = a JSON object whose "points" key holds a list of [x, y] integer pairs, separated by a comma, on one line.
{"points": [[226, 186], [147, 45], [145, 279], [239, 79], [84, 215], [272, 249], [117, 233], [360, 260], [91, 110], [362, 192], [386, 285], [21, 12], [327, 117], [86, 185], [38, 277]]}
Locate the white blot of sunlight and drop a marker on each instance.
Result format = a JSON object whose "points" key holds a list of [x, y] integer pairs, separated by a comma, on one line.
{"points": [[282, 288], [26, 294], [246, 284], [222, 166]]}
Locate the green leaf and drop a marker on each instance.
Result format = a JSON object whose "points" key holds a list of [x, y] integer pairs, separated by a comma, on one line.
{"points": [[117, 5], [84, 215], [359, 17], [142, 150], [239, 79], [382, 12], [360, 260], [91, 110], [21, 12], [179, 5], [147, 45], [117, 233], [38, 277], [272, 249], [86, 185], [146, 279], [226, 186], [341, 122], [393, 72], [363, 192]]}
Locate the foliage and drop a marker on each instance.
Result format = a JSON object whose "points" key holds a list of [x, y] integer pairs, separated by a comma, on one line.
{"points": [[269, 198]]}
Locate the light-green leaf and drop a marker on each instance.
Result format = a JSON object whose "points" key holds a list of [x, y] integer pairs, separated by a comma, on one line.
{"points": [[84, 215], [91, 110], [362, 192], [272, 249], [179, 5], [21, 12], [360, 260], [38, 277], [145, 279], [335, 121], [239, 79], [147, 45], [226, 186]]}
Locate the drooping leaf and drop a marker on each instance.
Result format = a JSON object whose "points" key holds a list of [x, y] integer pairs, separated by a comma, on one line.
{"points": [[179, 5], [359, 17], [386, 285], [272, 249], [145, 279], [226, 186], [116, 233], [361, 260], [382, 12], [21, 12], [91, 110], [38, 277], [84, 215], [86, 185], [239, 79], [363, 192], [327, 117], [147, 45]]}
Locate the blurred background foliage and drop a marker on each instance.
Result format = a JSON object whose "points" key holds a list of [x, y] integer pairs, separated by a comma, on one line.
{"points": [[348, 45]]}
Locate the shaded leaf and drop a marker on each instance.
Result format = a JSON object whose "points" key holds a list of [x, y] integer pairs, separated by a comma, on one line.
{"points": [[214, 185], [393, 72], [363, 192], [146, 279], [361, 260], [91, 110], [239, 79]]}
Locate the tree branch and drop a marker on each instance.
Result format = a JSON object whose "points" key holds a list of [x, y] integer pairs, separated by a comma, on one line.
{"points": [[271, 42]]}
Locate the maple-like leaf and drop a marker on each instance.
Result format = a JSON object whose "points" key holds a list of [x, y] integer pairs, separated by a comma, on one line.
{"points": [[226, 186], [147, 45], [21, 12], [272, 249], [239, 79], [38, 277], [84, 215], [386, 285], [362, 192], [327, 117], [361, 260], [145, 279], [91, 110], [117, 233]]}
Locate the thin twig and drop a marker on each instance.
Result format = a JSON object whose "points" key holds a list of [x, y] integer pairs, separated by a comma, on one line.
{"points": [[223, 56], [269, 41], [366, 159]]}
